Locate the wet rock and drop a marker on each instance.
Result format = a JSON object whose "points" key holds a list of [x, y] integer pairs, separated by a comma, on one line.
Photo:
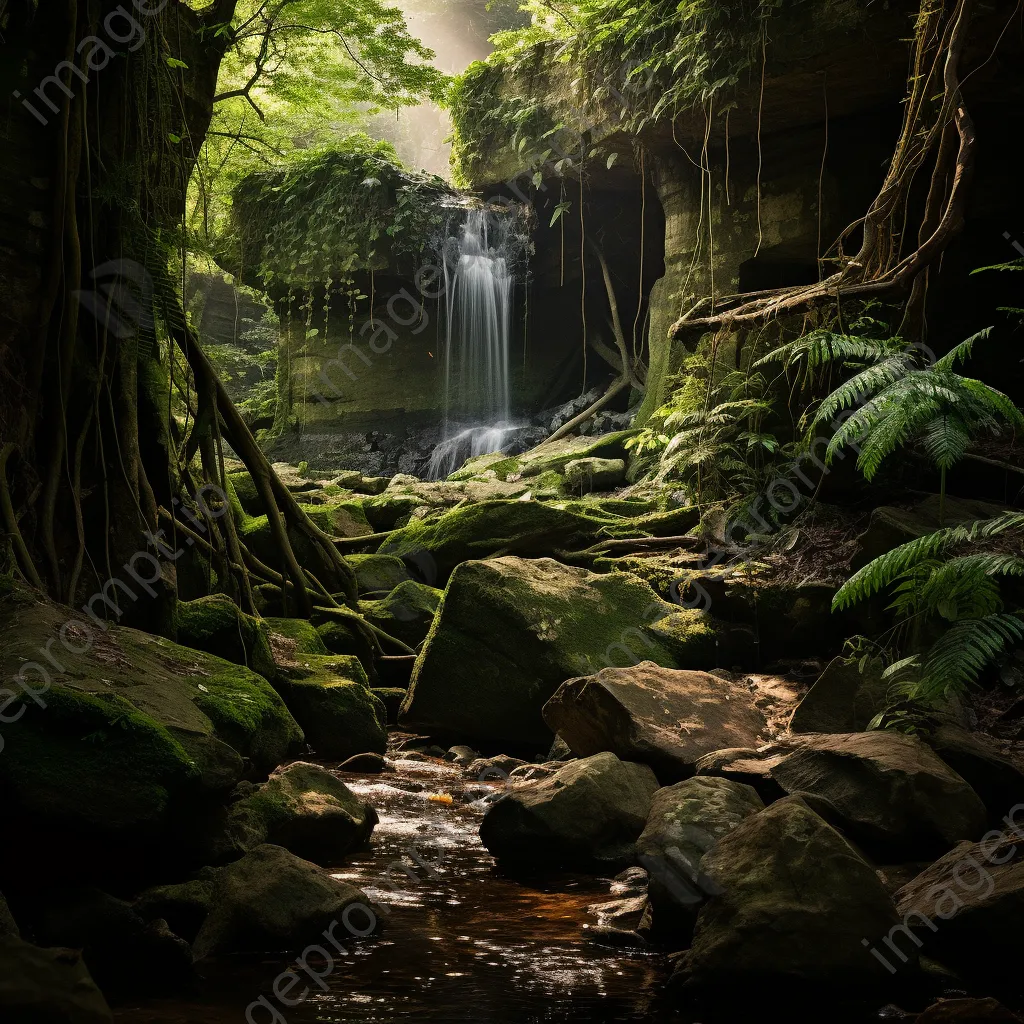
{"points": [[47, 986], [364, 764], [377, 575], [967, 1011], [530, 772], [631, 881], [845, 698], [686, 821], [8, 926], [587, 815], [303, 808], [965, 909], [793, 903], [509, 632], [585, 475], [663, 717], [126, 955], [271, 900], [885, 790], [406, 613]]}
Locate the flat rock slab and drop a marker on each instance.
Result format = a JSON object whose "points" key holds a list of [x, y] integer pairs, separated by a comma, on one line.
{"points": [[663, 717]]}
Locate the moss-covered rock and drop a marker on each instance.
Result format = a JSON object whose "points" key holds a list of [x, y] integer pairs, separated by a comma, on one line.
{"points": [[331, 695], [491, 528], [291, 637], [552, 456], [215, 624], [245, 491], [406, 613], [583, 475], [391, 697], [510, 631], [341, 518], [303, 808], [341, 636], [131, 728], [377, 575]]}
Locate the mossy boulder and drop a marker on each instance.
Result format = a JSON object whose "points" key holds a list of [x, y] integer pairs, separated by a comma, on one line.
{"points": [[391, 509], [292, 637], [131, 729], [509, 631], [491, 528], [377, 575], [406, 613], [272, 900], [215, 624], [341, 518], [552, 456], [583, 475], [303, 808], [342, 636], [330, 693]]}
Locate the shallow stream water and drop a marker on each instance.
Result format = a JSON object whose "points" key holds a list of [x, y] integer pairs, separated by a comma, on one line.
{"points": [[463, 942]]}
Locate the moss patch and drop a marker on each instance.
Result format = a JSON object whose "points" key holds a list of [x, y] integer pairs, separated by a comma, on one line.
{"points": [[216, 625], [406, 613], [378, 574]]}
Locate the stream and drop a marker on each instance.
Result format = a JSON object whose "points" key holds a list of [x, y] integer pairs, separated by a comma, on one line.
{"points": [[463, 942]]}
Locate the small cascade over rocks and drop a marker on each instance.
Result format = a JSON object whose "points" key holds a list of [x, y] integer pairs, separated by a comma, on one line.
{"points": [[481, 257]]}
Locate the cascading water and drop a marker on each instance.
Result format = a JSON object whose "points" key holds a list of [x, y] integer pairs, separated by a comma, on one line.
{"points": [[479, 266]]}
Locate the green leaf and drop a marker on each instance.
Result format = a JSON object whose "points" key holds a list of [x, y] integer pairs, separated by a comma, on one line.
{"points": [[173, 62]]}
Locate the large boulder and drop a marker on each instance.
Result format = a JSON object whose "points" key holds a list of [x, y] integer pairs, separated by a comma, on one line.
{"points": [[510, 631], [584, 475], [793, 905], [846, 697], [303, 808], [885, 790], [47, 986], [377, 575], [329, 695], [588, 814], [131, 732], [664, 717], [686, 821], [215, 624], [491, 528], [271, 900], [406, 613], [965, 909]]}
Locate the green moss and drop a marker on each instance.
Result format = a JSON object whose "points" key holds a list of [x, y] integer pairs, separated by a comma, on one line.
{"points": [[302, 634], [509, 631], [246, 492], [341, 518], [406, 613], [94, 762], [216, 625], [343, 637], [390, 510], [490, 528], [378, 574], [391, 697], [691, 635]]}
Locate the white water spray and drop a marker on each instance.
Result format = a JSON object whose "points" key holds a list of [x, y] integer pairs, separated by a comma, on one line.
{"points": [[479, 287]]}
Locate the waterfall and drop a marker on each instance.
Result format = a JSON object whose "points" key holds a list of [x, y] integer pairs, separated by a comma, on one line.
{"points": [[479, 267]]}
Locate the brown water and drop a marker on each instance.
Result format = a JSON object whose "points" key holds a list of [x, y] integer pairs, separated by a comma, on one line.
{"points": [[463, 941]]}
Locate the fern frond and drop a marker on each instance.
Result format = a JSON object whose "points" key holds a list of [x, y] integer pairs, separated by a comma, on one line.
{"points": [[946, 440], [956, 660], [962, 352], [867, 382]]}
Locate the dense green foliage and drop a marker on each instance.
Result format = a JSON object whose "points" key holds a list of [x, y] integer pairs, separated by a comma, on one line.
{"points": [[329, 214]]}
